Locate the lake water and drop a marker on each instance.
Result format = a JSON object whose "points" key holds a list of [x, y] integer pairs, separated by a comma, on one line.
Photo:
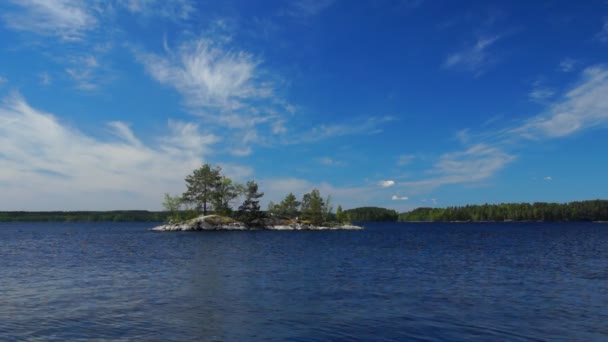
{"points": [[390, 282]]}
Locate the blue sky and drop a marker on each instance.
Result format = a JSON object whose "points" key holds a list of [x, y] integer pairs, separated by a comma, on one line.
{"points": [[401, 104]]}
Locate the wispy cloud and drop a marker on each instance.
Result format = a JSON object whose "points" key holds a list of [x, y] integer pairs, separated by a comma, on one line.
{"points": [[66, 19], [548, 178], [602, 35], [475, 164], [217, 82], [306, 8], [567, 64], [3, 80], [172, 9], [370, 125], [84, 71], [540, 93], [399, 198], [584, 106], [475, 58], [48, 165]]}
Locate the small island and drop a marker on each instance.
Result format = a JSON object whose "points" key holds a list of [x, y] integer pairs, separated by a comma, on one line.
{"points": [[206, 205], [216, 222]]}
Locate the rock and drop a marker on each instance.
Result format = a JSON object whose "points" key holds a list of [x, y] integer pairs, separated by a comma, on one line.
{"points": [[216, 222]]}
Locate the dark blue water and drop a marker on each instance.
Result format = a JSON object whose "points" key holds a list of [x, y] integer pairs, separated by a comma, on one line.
{"points": [[76, 281]]}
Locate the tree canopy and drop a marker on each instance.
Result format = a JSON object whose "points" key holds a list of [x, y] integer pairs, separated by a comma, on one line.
{"points": [[596, 210], [202, 188], [249, 211], [371, 214]]}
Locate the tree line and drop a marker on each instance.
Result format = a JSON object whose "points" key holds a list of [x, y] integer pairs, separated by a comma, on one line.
{"points": [[594, 210], [371, 214], [84, 216]]}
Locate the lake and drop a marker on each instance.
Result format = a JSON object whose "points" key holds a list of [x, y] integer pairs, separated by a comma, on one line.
{"points": [[390, 282]]}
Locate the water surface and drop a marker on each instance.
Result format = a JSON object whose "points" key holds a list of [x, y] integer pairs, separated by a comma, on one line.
{"points": [[392, 282]]}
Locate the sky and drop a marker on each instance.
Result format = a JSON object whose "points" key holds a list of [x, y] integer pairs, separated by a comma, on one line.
{"points": [[401, 104]]}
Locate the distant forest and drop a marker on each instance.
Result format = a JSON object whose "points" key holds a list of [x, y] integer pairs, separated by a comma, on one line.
{"points": [[596, 210], [86, 216], [371, 214]]}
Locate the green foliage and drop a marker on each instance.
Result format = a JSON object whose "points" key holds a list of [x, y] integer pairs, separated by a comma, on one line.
{"points": [[313, 207], [596, 210], [327, 209], [173, 204], [289, 207], [202, 188], [249, 212], [225, 192], [341, 216], [84, 216], [371, 214]]}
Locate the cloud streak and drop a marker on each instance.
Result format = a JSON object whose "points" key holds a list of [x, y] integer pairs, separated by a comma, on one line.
{"points": [[475, 58], [475, 164], [49, 166], [171, 9], [584, 106], [67, 19]]}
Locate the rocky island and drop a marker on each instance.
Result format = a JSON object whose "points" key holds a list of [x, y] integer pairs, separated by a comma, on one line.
{"points": [[207, 205], [217, 222]]}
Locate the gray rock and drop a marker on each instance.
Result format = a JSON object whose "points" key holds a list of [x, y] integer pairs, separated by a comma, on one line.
{"points": [[216, 222]]}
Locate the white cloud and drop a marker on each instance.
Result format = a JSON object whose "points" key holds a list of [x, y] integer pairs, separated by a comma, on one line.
{"points": [[584, 106], [50, 166], [405, 159], [548, 178], [475, 164], [386, 183], [3, 80], [399, 198], [208, 75], [173, 9], [474, 58], [84, 71], [221, 84], [567, 64], [67, 19]]}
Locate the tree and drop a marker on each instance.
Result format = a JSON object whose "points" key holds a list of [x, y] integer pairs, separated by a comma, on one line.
{"points": [[313, 207], [327, 208], [173, 204], [340, 215], [226, 191], [289, 206], [202, 187], [249, 211], [273, 208]]}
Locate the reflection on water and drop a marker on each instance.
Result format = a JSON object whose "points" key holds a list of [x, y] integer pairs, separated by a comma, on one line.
{"points": [[70, 281]]}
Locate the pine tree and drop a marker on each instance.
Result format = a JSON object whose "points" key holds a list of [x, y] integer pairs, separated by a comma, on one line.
{"points": [[313, 207], [249, 211], [201, 186]]}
